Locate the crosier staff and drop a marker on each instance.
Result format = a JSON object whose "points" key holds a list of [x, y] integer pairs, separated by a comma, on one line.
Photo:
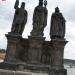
{"points": [[45, 3]]}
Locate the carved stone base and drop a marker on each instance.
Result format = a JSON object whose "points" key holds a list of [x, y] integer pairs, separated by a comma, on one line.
{"points": [[57, 53], [13, 46], [20, 66], [36, 45], [8, 66], [58, 72], [9, 72], [32, 68]]}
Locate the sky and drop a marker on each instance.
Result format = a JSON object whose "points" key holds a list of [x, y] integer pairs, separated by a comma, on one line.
{"points": [[67, 7]]}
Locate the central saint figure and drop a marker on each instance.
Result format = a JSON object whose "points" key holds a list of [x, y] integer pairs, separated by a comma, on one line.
{"points": [[39, 19]]}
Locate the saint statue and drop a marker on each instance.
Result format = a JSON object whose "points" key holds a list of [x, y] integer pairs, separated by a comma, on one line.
{"points": [[39, 19], [57, 29], [20, 18]]}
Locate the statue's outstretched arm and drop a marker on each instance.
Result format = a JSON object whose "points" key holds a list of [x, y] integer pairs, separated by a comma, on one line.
{"points": [[16, 4]]}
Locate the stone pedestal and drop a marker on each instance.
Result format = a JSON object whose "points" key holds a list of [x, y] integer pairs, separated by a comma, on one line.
{"points": [[13, 46], [57, 56], [57, 52], [35, 49]]}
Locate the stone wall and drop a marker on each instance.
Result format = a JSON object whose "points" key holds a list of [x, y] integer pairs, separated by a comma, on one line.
{"points": [[9, 72]]}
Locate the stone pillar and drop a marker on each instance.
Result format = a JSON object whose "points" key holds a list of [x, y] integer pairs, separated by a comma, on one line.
{"points": [[35, 49], [13, 47], [57, 56]]}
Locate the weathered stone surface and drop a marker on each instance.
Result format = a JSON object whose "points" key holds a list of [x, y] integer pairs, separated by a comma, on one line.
{"points": [[58, 72], [9, 72], [51, 72], [13, 47], [20, 19], [57, 53], [39, 19], [36, 44], [57, 29], [46, 53]]}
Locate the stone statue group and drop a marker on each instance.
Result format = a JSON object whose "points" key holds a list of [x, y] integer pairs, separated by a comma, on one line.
{"points": [[57, 28]]}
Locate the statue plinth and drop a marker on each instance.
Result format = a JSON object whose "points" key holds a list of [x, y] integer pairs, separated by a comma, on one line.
{"points": [[57, 52], [13, 46], [36, 45]]}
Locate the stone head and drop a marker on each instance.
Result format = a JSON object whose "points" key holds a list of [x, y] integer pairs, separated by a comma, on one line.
{"points": [[57, 9], [23, 5], [40, 2]]}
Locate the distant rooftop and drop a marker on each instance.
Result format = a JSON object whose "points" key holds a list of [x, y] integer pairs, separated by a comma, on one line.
{"points": [[69, 61], [2, 50]]}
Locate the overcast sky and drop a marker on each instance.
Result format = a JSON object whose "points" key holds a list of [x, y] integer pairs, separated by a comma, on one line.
{"points": [[67, 7]]}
